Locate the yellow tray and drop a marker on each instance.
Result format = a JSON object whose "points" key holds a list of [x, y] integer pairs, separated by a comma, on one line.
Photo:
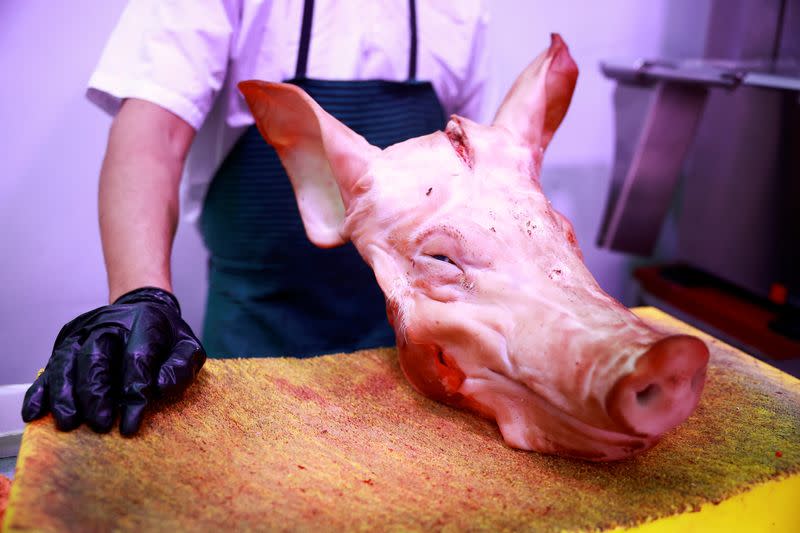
{"points": [[343, 443]]}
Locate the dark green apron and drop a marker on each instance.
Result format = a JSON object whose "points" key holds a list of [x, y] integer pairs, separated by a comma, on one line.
{"points": [[271, 292]]}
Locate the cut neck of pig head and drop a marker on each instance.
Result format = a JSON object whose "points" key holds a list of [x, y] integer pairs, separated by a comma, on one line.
{"points": [[492, 305]]}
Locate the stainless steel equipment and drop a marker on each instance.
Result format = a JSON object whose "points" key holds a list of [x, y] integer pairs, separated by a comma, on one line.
{"points": [[725, 131]]}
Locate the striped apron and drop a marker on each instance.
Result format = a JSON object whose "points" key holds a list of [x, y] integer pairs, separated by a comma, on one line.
{"points": [[271, 292]]}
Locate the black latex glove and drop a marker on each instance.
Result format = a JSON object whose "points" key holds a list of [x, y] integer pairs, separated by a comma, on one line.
{"points": [[118, 356]]}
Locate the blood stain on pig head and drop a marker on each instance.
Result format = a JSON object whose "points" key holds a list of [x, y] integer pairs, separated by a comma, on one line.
{"points": [[459, 141]]}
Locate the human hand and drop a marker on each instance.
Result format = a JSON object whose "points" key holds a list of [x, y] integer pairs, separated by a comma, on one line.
{"points": [[116, 357]]}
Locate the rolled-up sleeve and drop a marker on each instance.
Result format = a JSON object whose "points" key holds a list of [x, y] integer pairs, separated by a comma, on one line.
{"points": [[173, 53]]}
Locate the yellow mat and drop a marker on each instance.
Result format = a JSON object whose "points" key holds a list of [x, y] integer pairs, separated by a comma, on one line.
{"points": [[343, 443]]}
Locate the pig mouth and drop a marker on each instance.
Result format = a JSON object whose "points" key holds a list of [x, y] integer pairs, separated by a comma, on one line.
{"points": [[549, 428], [526, 418]]}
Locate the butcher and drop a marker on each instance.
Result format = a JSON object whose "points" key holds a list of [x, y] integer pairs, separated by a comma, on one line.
{"points": [[182, 135]]}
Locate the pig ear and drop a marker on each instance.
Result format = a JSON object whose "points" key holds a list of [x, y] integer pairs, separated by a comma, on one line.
{"points": [[538, 100], [325, 160]]}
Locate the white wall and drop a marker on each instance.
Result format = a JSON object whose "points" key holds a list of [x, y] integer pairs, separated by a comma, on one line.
{"points": [[52, 146], [52, 143], [577, 166]]}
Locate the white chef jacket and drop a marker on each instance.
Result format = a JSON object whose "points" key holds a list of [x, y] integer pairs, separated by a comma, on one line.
{"points": [[188, 55]]}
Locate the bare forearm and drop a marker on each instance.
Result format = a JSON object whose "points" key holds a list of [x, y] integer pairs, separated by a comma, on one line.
{"points": [[138, 196]]}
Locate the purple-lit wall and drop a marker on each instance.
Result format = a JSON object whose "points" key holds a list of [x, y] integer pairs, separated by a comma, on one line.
{"points": [[52, 142]]}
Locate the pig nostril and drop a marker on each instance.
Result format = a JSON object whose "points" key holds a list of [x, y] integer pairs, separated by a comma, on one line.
{"points": [[648, 394], [663, 388]]}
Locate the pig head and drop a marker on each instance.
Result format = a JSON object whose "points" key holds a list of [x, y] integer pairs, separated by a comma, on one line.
{"points": [[492, 305]]}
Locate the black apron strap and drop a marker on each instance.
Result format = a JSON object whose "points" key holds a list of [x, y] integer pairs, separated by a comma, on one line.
{"points": [[305, 40], [412, 53]]}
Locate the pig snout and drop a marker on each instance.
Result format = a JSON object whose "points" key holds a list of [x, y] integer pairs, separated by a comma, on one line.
{"points": [[564, 391], [663, 389]]}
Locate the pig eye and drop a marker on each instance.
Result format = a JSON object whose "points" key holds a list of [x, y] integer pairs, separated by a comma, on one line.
{"points": [[442, 265], [444, 259]]}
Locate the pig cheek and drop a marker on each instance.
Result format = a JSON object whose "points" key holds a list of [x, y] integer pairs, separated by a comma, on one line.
{"points": [[436, 375], [428, 367]]}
